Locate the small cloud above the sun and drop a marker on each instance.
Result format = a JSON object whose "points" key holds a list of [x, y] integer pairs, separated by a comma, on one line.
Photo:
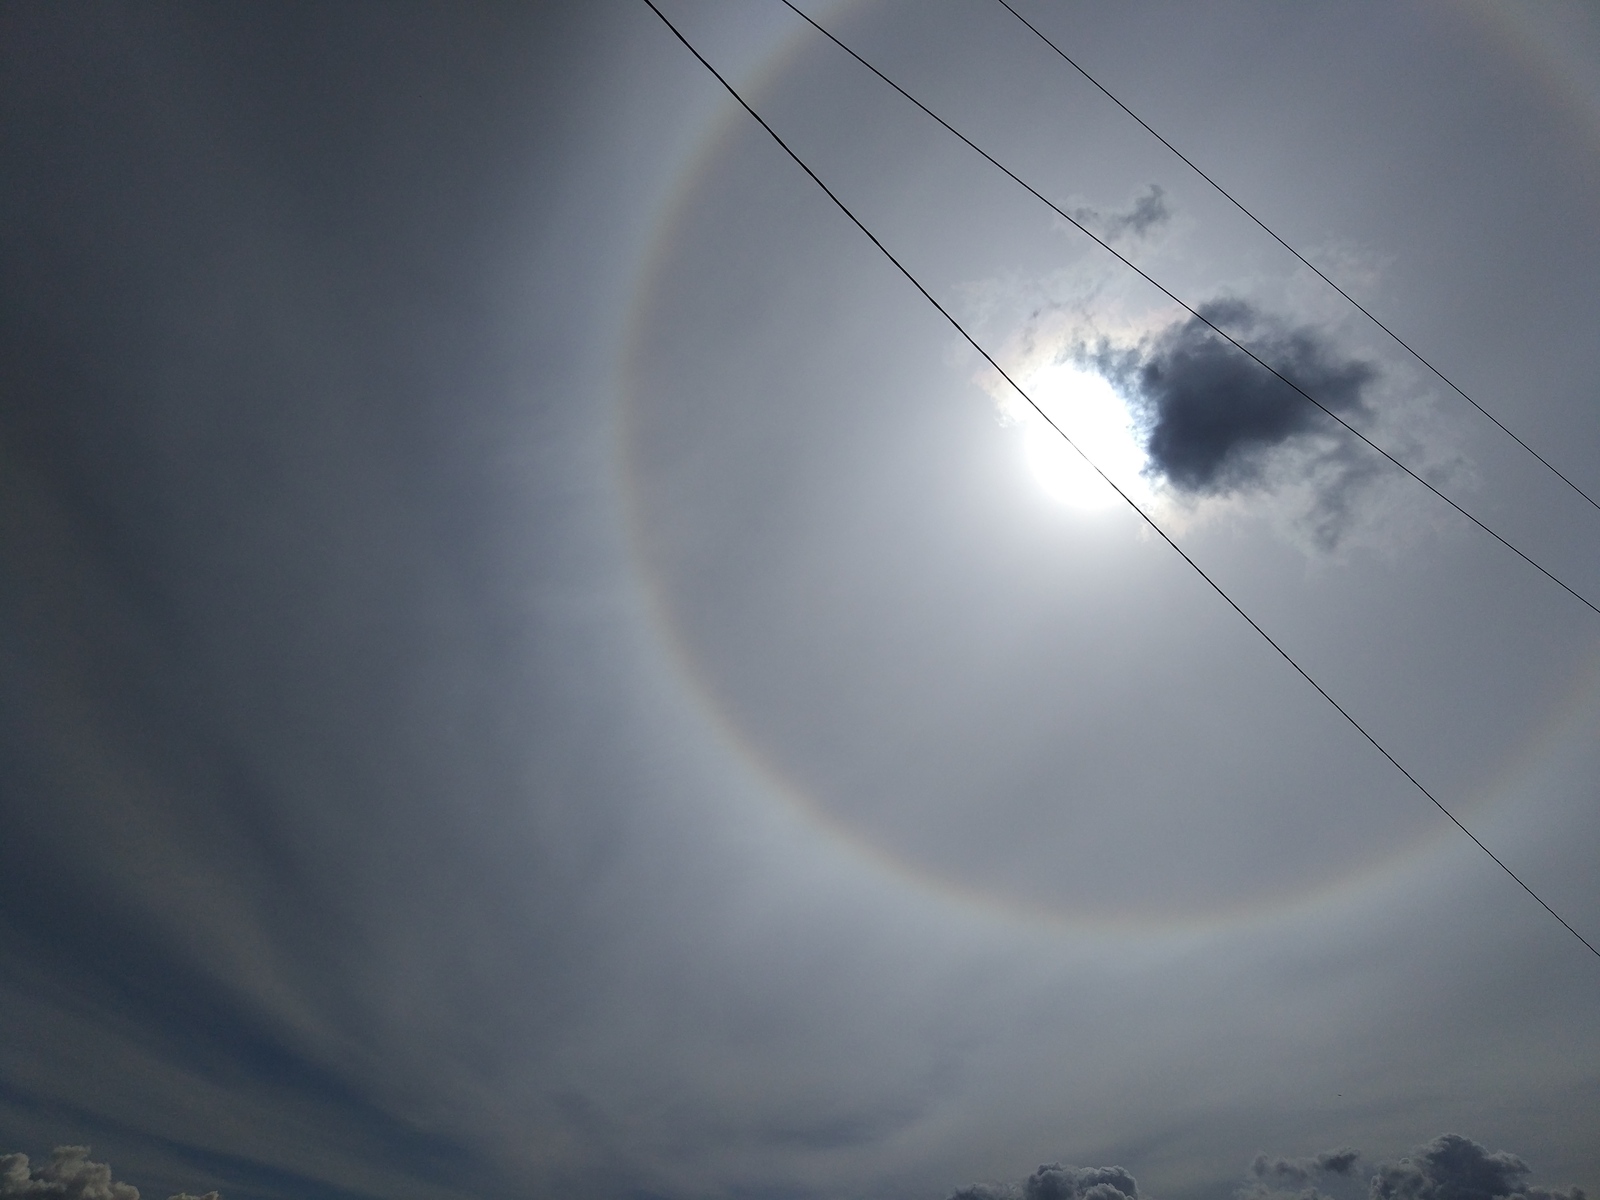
{"points": [[1145, 214]]}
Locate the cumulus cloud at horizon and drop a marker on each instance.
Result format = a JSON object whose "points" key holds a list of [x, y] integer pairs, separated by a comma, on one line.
{"points": [[1450, 1167], [1453, 1167], [69, 1175], [1302, 1170]]}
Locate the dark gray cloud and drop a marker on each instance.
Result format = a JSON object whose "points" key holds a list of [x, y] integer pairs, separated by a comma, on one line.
{"points": [[1213, 416], [984, 1191], [1056, 1182], [1295, 1171], [1147, 211], [69, 1174], [1452, 1167]]}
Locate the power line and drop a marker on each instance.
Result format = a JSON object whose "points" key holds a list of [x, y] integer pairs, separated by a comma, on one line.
{"points": [[1127, 499], [1196, 313], [1226, 195]]}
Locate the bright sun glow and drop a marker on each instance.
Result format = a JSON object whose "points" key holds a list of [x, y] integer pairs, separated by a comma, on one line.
{"points": [[1091, 413]]}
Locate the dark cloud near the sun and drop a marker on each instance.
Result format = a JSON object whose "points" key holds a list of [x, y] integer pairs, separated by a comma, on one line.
{"points": [[1146, 212], [1212, 416], [1452, 1167], [1056, 1182]]}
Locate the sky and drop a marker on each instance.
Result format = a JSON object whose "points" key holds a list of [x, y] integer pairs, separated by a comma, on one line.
{"points": [[536, 663]]}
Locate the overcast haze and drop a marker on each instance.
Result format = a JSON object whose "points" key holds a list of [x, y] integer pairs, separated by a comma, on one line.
{"points": [[536, 664]]}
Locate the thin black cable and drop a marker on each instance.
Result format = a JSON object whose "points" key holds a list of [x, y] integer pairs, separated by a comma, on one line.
{"points": [[1195, 313], [1223, 192], [1127, 499]]}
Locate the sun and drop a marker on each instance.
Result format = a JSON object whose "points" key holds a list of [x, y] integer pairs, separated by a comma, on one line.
{"points": [[1089, 411]]}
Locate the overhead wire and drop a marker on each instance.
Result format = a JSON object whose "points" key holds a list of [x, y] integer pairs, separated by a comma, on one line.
{"points": [[1126, 498], [1198, 315], [1304, 261]]}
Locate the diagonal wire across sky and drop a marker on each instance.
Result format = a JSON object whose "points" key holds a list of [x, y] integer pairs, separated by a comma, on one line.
{"points": [[1126, 498], [1200, 316], [1304, 261]]}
